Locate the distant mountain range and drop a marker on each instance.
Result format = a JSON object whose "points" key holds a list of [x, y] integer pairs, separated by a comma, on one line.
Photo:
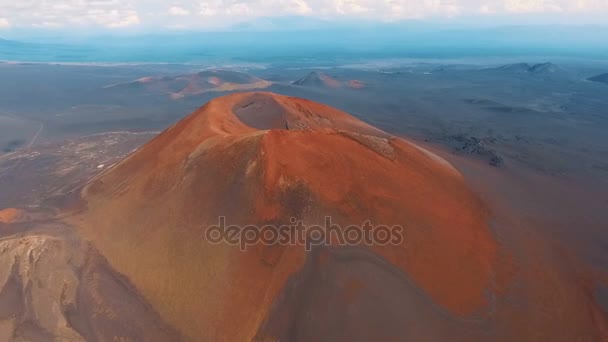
{"points": [[305, 39], [525, 68], [541, 70]]}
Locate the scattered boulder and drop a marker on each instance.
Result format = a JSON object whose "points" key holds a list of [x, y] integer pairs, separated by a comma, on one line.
{"points": [[478, 147]]}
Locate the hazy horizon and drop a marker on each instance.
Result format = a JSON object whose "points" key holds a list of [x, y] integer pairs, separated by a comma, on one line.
{"points": [[257, 42], [189, 31]]}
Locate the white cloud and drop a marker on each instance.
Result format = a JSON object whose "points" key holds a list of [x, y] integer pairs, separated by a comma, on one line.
{"points": [[226, 11], [48, 25], [532, 6], [4, 23], [177, 27], [218, 13], [487, 9], [351, 7], [300, 7], [132, 19], [61, 13], [178, 11], [368, 9]]}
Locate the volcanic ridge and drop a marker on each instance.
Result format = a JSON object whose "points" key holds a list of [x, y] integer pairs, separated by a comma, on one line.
{"points": [[540, 69], [181, 86], [320, 79]]}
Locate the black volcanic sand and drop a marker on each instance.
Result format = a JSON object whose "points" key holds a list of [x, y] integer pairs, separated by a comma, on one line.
{"points": [[48, 171]]}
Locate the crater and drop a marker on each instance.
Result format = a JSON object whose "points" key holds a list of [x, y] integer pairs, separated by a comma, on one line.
{"points": [[261, 112]]}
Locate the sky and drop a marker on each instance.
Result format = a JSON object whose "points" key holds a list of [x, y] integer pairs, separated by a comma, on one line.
{"points": [[142, 15]]}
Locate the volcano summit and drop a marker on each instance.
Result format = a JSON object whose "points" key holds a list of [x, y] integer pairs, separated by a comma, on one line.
{"points": [[261, 158]]}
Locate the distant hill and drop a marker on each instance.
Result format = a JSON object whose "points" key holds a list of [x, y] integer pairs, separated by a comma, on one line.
{"points": [[539, 69], [319, 79], [194, 84], [516, 68], [546, 68], [603, 78]]}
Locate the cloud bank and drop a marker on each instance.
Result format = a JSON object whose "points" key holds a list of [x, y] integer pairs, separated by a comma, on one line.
{"points": [[193, 14]]}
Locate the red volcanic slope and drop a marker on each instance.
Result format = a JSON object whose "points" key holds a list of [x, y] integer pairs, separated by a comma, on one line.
{"points": [[261, 158]]}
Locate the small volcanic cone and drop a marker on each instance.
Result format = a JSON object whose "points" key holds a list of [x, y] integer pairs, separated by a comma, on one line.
{"points": [[178, 87], [222, 80], [263, 159], [322, 80], [318, 79], [10, 215], [356, 84]]}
